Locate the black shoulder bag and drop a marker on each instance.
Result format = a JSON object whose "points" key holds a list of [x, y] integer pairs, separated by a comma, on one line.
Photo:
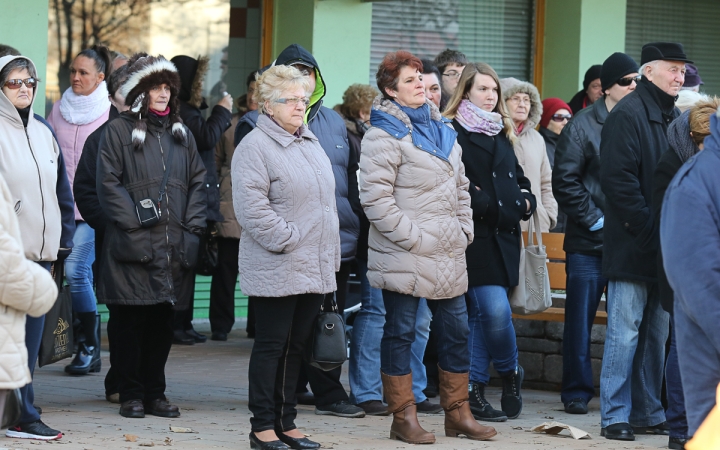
{"points": [[326, 348], [148, 214]]}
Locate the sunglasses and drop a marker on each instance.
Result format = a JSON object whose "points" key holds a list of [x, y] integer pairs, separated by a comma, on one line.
{"points": [[17, 84], [627, 81], [561, 117]]}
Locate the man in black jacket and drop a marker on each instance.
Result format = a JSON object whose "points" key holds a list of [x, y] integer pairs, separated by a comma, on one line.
{"points": [[576, 186], [207, 134], [632, 140]]}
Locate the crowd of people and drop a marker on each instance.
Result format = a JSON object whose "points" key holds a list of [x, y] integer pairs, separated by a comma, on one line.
{"points": [[421, 185]]}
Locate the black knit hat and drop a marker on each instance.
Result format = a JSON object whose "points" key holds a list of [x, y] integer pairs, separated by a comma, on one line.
{"points": [[666, 51], [615, 67], [593, 73]]}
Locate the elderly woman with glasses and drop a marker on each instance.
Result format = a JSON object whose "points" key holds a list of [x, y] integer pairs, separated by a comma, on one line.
{"points": [[284, 198]]}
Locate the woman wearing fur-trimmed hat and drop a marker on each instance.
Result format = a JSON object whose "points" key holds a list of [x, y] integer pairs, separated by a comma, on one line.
{"points": [[153, 233]]}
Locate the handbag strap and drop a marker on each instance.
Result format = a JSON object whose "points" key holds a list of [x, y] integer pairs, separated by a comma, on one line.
{"points": [[166, 175], [534, 228], [334, 305]]}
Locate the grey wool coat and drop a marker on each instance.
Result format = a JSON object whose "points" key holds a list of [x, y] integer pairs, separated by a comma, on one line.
{"points": [[284, 198]]}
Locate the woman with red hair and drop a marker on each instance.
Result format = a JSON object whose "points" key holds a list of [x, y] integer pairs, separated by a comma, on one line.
{"points": [[415, 194]]}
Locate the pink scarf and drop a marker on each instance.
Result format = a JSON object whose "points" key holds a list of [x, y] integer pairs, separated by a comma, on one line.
{"points": [[477, 120]]}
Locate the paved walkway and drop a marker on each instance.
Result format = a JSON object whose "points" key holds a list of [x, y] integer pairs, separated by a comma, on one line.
{"points": [[209, 383]]}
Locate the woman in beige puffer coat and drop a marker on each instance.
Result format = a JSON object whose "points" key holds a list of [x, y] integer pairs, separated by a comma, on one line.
{"points": [[530, 149]]}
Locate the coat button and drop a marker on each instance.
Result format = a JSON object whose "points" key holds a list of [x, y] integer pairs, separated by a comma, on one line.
{"points": [[510, 174], [319, 173], [452, 173], [517, 202], [497, 231], [452, 214], [327, 208], [494, 175], [627, 225], [500, 202]]}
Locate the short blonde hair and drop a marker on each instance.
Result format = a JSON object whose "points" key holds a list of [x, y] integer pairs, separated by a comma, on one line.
{"points": [[700, 118], [357, 98], [276, 80]]}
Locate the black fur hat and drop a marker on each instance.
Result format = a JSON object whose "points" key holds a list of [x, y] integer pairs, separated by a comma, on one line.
{"points": [[145, 72]]}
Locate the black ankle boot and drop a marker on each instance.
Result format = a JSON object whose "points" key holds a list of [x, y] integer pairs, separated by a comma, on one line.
{"points": [[482, 409], [86, 360], [511, 400]]}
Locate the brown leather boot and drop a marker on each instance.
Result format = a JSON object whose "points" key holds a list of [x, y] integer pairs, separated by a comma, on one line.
{"points": [[401, 403], [458, 417]]}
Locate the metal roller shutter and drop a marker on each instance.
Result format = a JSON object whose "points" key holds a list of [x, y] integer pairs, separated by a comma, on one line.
{"points": [[498, 32], [694, 23]]}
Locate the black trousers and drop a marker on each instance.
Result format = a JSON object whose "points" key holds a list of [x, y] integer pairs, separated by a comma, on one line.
{"points": [[326, 386], [283, 326], [185, 294], [112, 381], [144, 337], [222, 288]]}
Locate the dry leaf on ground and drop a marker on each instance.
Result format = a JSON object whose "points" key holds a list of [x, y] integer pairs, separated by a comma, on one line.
{"points": [[130, 437]]}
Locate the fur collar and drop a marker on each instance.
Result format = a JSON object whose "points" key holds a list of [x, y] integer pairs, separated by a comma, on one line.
{"points": [[196, 97], [389, 107], [512, 86]]}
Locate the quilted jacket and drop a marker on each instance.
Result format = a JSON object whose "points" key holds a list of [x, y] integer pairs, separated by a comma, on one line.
{"points": [[418, 205], [25, 288], [283, 191]]}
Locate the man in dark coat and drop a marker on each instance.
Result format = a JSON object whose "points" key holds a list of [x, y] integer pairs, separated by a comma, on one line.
{"points": [[632, 140], [576, 186], [329, 127], [591, 91], [207, 134]]}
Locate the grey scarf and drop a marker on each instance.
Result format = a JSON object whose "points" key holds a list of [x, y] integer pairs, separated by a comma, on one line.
{"points": [[679, 138]]}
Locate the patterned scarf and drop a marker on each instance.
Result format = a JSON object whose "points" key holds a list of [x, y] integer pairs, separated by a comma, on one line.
{"points": [[477, 120]]}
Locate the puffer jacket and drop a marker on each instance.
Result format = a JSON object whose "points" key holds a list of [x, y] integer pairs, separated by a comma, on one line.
{"points": [[72, 139], [284, 198], [32, 164], [531, 154], [418, 205], [142, 266], [25, 288], [224, 151]]}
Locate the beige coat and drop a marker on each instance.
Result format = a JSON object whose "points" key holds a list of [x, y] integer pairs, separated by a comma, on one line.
{"points": [[284, 198], [229, 227], [25, 288], [419, 209], [532, 156]]}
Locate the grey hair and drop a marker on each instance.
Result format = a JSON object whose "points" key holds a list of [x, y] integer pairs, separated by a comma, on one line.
{"points": [[687, 99], [17, 63], [652, 64], [276, 80]]}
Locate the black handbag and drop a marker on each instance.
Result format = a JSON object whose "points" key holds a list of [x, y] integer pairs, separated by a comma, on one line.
{"points": [[57, 337], [208, 253], [10, 407], [326, 348]]}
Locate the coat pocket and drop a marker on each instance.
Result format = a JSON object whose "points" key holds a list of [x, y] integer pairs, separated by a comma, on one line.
{"points": [[189, 249], [132, 246]]}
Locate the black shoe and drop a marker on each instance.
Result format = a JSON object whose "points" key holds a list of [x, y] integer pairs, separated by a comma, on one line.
{"points": [[33, 430], [162, 408], [481, 408], [295, 443], [181, 338], [270, 445], [86, 360], [197, 337], [677, 443], [576, 406], [374, 408], [132, 409], [511, 400], [661, 429], [305, 398], [426, 407], [618, 431], [340, 409], [218, 336]]}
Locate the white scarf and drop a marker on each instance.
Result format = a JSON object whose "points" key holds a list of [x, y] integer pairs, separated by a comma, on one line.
{"points": [[84, 109]]}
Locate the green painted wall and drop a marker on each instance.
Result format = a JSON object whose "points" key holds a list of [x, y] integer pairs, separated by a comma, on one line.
{"points": [[25, 27], [336, 32], [578, 34]]}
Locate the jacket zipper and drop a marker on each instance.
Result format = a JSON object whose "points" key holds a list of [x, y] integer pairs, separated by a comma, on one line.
{"points": [[167, 224], [42, 197]]}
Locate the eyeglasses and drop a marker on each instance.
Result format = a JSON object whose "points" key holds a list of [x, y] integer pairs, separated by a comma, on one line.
{"points": [[452, 74], [561, 117], [294, 101], [520, 100], [17, 84], [627, 81]]}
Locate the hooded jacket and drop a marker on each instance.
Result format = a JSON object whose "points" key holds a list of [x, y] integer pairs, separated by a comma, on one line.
{"points": [[532, 155], [32, 164], [25, 288], [207, 133], [330, 130], [418, 204]]}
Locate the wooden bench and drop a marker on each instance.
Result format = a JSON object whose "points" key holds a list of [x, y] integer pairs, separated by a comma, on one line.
{"points": [[558, 279]]}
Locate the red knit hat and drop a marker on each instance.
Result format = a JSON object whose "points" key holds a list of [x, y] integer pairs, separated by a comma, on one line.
{"points": [[550, 107]]}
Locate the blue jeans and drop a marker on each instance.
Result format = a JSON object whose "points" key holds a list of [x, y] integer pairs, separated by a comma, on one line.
{"points": [[676, 418], [364, 370], [585, 286], [632, 366], [492, 335], [78, 269], [449, 320]]}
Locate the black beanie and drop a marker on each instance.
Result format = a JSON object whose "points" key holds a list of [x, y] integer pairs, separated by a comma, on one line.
{"points": [[593, 73], [615, 67]]}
